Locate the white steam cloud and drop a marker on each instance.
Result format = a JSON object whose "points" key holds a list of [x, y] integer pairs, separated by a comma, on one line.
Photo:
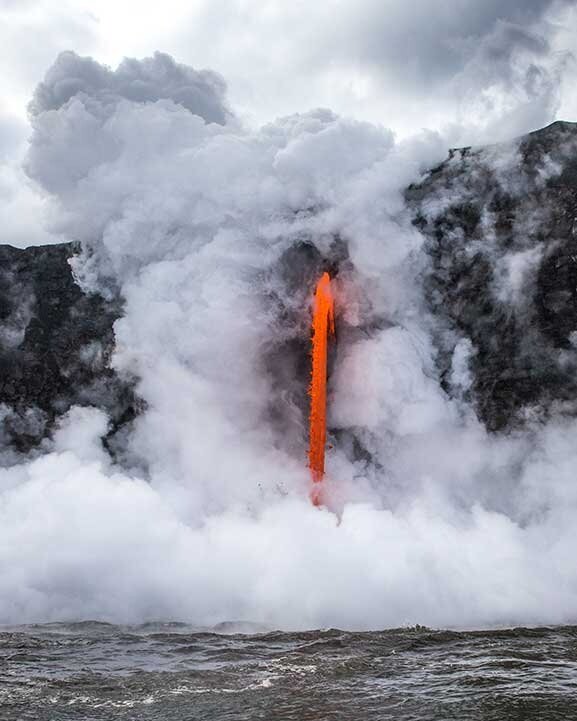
{"points": [[208, 519], [160, 77]]}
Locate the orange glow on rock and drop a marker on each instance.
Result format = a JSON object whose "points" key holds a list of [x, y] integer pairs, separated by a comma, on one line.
{"points": [[323, 325]]}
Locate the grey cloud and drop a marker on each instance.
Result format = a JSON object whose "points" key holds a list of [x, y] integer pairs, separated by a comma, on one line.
{"points": [[512, 79], [492, 64], [433, 44], [202, 92], [496, 55], [398, 62]]}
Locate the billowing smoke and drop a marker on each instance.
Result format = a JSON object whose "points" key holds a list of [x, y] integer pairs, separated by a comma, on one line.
{"points": [[160, 77], [214, 235]]}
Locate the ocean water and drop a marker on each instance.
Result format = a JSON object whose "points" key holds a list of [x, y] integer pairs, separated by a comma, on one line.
{"points": [[171, 671]]}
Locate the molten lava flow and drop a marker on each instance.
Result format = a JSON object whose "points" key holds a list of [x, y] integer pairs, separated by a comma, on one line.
{"points": [[323, 324]]}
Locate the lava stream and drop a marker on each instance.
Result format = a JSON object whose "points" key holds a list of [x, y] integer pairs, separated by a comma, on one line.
{"points": [[323, 325]]}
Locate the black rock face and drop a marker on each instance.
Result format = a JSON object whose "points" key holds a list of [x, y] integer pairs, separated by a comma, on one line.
{"points": [[55, 347], [501, 231], [500, 228]]}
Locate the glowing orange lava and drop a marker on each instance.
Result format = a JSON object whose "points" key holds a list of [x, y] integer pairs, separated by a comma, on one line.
{"points": [[323, 324]]}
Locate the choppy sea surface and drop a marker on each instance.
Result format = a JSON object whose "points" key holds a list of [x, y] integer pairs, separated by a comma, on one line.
{"points": [[171, 671]]}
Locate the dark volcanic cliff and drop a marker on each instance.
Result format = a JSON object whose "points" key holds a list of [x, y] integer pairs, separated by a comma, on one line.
{"points": [[501, 230], [500, 227], [55, 346]]}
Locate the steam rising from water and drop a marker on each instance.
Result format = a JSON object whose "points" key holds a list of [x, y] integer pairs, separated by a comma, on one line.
{"points": [[203, 228]]}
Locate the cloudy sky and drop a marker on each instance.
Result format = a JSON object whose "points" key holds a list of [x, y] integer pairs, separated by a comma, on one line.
{"points": [[474, 70]]}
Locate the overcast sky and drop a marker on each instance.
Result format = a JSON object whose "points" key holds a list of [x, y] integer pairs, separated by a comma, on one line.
{"points": [[475, 70]]}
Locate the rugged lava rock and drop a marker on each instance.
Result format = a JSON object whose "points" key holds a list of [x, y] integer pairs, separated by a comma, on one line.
{"points": [[55, 347], [500, 225], [501, 230]]}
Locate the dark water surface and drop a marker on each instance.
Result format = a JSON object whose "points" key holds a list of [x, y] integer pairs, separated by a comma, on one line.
{"points": [[170, 671]]}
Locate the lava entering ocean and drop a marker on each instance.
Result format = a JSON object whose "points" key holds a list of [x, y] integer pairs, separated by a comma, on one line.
{"points": [[323, 325]]}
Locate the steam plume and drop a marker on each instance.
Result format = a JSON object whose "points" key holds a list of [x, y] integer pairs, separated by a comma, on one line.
{"points": [[214, 236]]}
